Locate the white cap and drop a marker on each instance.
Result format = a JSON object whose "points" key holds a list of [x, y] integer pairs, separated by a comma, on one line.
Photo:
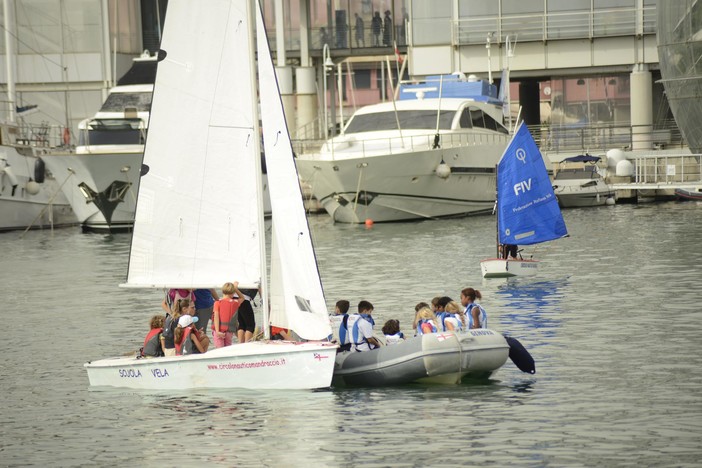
{"points": [[186, 320]]}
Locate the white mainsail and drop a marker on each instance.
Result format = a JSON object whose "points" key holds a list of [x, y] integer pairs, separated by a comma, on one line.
{"points": [[296, 296], [197, 217]]}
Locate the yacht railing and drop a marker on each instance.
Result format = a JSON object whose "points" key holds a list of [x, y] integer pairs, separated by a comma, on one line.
{"points": [[373, 146]]}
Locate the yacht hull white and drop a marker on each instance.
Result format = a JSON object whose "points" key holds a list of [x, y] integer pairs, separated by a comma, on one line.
{"points": [[501, 268], [439, 358], [102, 189], [403, 186], [584, 195], [430, 154], [253, 365], [20, 208]]}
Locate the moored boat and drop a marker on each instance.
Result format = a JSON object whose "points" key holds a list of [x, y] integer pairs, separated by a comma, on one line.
{"points": [[583, 186], [430, 154], [689, 193], [30, 196], [105, 167]]}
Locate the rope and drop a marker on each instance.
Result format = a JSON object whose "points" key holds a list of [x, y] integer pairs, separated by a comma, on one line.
{"points": [[49, 204]]}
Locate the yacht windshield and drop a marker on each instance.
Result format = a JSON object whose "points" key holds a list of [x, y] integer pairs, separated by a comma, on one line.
{"points": [[117, 102], [409, 120]]}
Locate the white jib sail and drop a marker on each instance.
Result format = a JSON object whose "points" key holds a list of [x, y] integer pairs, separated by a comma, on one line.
{"points": [[197, 216], [297, 300]]}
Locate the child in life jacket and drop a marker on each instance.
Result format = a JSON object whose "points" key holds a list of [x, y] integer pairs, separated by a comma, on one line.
{"points": [[426, 322], [185, 337], [453, 318], [153, 345], [392, 332], [225, 318]]}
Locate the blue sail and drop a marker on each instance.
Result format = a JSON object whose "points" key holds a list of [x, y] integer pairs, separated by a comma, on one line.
{"points": [[527, 208]]}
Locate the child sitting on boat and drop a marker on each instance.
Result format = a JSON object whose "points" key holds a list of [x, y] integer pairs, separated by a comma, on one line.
{"points": [[153, 346], [426, 322], [392, 332], [452, 318], [186, 338]]}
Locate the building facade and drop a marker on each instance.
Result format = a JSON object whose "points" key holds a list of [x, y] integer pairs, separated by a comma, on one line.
{"points": [[579, 66]]}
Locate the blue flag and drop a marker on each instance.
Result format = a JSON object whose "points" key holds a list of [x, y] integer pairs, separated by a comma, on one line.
{"points": [[527, 209]]}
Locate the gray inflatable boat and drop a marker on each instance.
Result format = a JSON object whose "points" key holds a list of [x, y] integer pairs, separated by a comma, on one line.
{"points": [[442, 358]]}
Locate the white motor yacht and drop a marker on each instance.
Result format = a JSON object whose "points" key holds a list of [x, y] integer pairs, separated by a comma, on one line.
{"points": [[581, 186], [106, 165], [430, 154]]}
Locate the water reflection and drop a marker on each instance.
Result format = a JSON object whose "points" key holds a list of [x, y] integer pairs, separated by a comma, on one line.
{"points": [[528, 304]]}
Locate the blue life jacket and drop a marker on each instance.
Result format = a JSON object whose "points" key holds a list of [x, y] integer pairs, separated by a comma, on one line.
{"points": [[482, 315], [422, 321]]}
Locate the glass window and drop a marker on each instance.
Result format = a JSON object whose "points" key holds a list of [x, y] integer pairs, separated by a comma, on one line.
{"points": [[606, 4], [520, 7], [418, 120], [476, 115], [38, 26], [362, 79], [431, 22], [568, 5], [465, 121], [473, 8]]}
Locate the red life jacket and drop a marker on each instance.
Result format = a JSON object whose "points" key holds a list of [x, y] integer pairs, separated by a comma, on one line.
{"points": [[227, 313], [185, 346], [152, 343]]}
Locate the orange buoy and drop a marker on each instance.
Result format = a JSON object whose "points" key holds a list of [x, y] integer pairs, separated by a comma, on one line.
{"points": [[369, 222]]}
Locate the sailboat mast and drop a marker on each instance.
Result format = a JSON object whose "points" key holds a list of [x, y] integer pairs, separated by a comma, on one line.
{"points": [[9, 19], [250, 7], [497, 214]]}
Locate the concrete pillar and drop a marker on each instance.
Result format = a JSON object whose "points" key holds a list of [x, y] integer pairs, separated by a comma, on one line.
{"points": [[306, 103], [641, 108], [285, 82], [529, 100]]}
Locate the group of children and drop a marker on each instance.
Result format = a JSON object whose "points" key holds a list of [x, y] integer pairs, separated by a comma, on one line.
{"points": [[355, 331], [181, 331], [178, 334]]}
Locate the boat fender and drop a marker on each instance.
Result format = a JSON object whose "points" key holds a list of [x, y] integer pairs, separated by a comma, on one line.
{"points": [[520, 356], [443, 170], [32, 187], [39, 171], [66, 136]]}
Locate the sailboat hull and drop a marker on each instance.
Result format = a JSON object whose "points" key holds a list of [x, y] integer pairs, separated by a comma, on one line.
{"points": [[437, 358], [501, 268], [253, 365]]}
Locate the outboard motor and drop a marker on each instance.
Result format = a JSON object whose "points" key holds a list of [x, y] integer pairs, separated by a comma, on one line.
{"points": [[39, 171]]}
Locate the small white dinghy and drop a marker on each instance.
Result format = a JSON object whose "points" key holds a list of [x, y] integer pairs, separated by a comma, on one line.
{"points": [[440, 358], [199, 216], [506, 268], [527, 209]]}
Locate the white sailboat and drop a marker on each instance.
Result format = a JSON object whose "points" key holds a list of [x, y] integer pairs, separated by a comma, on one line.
{"points": [[194, 224], [527, 208]]}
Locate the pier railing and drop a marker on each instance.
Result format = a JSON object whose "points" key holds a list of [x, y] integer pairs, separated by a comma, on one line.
{"points": [[667, 169], [601, 137]]}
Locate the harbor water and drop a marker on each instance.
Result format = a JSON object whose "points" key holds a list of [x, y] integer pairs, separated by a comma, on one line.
{"points": [[613, 320]]}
